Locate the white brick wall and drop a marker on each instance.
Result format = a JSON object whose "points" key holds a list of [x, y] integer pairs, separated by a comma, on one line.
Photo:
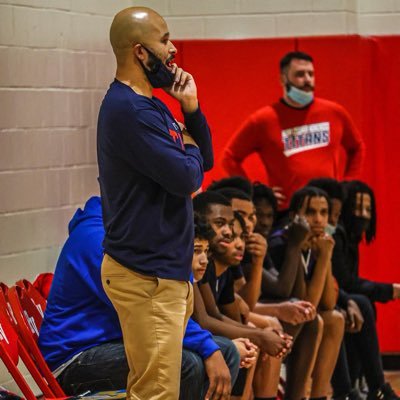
{"points": [[55, 64], [190, 19]]}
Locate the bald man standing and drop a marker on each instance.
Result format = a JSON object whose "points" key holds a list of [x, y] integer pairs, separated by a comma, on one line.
{"points": [[148, 169]]}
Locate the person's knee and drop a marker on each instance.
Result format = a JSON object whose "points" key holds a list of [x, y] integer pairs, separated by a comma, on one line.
{"points": [[333, 322], [315, 328]]}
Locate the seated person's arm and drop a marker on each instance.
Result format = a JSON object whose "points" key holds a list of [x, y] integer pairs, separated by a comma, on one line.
{"points": [[281, 283], [266, 339], [300, 285], [315, 286], [376, 291], [207, 301], [330, 293], [201, 342], [223, 326], [256, 245], [231, 311], [239, 283]]}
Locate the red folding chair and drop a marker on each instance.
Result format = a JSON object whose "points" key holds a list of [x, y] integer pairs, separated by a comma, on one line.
{"points": [[28, 321], [11, 350], [3, 295], [38, 300], [4, 303], [9, 353], [43, 282]]}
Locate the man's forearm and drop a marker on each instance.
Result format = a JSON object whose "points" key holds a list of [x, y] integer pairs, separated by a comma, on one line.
{"points": [[284, 284], [228, 328], [329, 294], [315, 286], [250, 292], [269, 309], [198, 128]]}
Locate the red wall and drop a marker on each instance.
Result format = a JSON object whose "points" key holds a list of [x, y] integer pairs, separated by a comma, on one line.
{"points": [[235, 78]]}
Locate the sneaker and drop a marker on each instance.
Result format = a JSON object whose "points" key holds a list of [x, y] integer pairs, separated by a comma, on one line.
{"points": [[385, 392]]}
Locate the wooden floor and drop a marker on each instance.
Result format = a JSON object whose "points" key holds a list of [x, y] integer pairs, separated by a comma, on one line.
{"points": [[394, 378]]}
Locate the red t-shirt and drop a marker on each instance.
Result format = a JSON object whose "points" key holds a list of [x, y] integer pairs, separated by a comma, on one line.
{"points": [[296, 145]]}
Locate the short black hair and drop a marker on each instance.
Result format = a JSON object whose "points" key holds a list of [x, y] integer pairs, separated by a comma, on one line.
{"points": [[263, 192], [330, 186], [233, 193], [202, 201], [299, 196], [237, 182], [202, 229], [351, 189], [241, 220], [293, 55]]}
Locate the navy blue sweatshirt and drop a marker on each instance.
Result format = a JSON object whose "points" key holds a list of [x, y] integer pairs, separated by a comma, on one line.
{"points": [[147, 176]]}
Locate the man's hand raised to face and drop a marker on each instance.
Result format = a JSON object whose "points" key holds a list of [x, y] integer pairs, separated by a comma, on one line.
{"points": [[323, 245], [298, 230], [219, 377], [184, 90], [257, 246]]}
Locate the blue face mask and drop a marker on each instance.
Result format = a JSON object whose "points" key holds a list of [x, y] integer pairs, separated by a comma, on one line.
{"points": [[157, 73], [330, 229], [299, 96]]}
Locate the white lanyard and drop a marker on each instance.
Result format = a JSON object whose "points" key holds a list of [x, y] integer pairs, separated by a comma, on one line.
{"points": [[306, 262]]}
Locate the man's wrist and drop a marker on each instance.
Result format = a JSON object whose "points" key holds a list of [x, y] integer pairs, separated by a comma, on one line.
{"points": [[257, 260], [189, 105], [325, 257], [256, 337], [213, 354]]}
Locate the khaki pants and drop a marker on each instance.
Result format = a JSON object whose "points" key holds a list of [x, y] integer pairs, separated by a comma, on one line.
{"points": [[153, 314]]}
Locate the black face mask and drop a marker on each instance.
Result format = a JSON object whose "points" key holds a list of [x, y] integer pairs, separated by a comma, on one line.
{"points": [[158, 75], [359, 226]]}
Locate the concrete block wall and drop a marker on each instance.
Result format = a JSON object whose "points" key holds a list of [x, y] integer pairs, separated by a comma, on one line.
{"points": [[55, 64]]}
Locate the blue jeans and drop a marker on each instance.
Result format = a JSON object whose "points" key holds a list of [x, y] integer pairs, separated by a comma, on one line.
{"points": [[194, 381], [104, 367]]}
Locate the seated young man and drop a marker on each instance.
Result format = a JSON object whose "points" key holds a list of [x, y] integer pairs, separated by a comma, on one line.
{"points": [[81, 339], [238, 191], [361, 351], [203, 233], [313, 281], [215, 306], [359, 221], [296, 316]]}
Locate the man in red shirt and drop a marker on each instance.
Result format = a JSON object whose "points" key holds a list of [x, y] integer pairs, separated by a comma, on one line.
{"points": [[299, 137]]}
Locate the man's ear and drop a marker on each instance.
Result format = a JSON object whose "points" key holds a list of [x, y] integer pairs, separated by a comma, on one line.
{"points": [[283, 79], [139, 51]]}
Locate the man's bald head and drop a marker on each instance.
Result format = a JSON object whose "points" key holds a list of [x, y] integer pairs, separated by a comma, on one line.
{"points": [[134, 25]]}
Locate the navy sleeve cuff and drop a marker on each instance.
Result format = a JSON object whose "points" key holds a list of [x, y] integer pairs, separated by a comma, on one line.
{"points": [[193, 116]]}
